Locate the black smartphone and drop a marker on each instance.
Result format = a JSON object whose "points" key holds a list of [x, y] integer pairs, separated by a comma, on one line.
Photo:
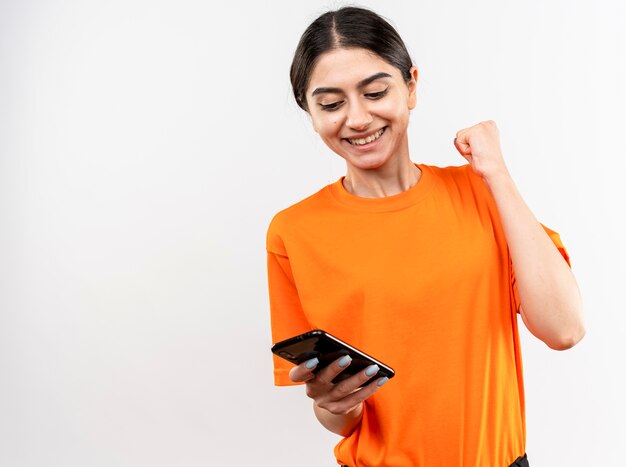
{"points": [[327, 348]]}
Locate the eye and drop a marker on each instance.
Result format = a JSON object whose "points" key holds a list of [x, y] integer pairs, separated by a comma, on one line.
{"points": [[377, 95], [331, 107]]}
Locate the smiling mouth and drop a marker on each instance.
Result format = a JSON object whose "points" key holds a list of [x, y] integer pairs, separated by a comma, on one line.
{"points": [[369, 139]]}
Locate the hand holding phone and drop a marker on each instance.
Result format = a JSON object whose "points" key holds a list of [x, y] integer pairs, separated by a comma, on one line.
{"points": [[339, 377]]}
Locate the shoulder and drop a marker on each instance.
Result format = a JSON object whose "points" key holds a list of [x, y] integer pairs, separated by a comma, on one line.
{"points": [[297, 216], [464, 189], [305, 209], [452, 172], [458, 177]]}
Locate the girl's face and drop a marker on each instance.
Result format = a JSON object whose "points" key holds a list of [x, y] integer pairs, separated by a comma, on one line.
{"points": [[359, 105]]}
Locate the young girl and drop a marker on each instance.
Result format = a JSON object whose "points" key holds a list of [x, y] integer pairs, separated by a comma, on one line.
{"points": [[424, 268]]}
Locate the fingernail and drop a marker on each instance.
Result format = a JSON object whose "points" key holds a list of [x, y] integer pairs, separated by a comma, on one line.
{"points": [[372, 370], [311, 363], [344, 361], [382, 381]]}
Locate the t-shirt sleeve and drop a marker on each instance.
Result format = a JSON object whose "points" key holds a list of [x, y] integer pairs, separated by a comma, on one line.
{"points": [[556, 239], [286, 314]]}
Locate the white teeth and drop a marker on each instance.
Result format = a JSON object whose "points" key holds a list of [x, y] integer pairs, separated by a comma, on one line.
{"points": [[369, 139]]}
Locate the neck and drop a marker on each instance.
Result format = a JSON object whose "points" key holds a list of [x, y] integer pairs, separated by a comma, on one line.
{"points": [[387, 180]]}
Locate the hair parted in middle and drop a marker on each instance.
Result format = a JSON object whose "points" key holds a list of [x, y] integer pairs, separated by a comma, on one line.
{"points": [[347, 27]]}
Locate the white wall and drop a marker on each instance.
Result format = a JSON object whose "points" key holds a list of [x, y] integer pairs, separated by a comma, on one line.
{"points": [[144, 147]]}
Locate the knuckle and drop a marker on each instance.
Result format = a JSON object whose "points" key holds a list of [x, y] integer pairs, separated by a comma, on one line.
{"points": [[368, 390], [321, 379], [343, 389], [335, 408], [323, 404]]}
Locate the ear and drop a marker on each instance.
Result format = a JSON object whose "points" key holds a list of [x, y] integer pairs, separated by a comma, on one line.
{"points": [[412, 84]]}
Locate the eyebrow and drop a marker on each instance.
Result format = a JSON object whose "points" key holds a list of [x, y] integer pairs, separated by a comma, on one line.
{"points": [[360, 84]]}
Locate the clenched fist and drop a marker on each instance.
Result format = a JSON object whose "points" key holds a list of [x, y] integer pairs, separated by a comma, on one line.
{"points": [[480, 145]]}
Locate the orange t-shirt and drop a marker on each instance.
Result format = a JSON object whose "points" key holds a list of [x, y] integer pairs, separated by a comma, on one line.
{"points": [[423, 281]]}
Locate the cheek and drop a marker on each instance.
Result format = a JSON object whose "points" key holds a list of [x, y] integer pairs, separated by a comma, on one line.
{"points": [[393, 109], [327, 126], [395, 112]]}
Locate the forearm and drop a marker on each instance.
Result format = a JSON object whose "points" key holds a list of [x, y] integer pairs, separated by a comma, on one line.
{"points": [[340, 424], [551, 305]]}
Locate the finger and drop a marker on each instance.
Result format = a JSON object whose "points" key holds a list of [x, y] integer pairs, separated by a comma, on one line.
{"points": [[319, 387], [462, 145], [349, 385], [463, 135], [353, 399], [328, 374], [303, 372]]}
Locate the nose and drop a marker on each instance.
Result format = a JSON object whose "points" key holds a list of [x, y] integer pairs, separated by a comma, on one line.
{"points": [[358, 117]]}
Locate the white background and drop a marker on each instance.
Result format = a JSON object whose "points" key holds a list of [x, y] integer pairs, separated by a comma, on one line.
{"points": [[144, 148]]}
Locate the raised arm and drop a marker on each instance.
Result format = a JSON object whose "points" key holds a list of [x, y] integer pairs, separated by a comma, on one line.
{"points": [[551, 305]]}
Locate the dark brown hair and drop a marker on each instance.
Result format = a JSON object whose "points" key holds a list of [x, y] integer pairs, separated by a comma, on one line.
{"points": [[348, 27]]}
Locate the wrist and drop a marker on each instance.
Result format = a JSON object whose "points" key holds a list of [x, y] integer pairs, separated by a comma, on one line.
{"points": [[500, 179], [340, 424]]}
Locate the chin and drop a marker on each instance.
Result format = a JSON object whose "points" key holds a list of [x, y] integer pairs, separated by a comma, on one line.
{"points": [[366, 163]]}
